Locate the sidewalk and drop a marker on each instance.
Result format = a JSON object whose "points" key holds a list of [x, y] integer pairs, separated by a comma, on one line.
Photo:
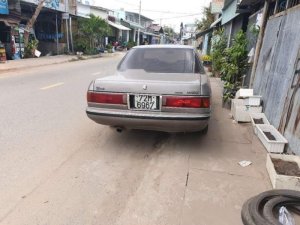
{"points": [[12, 65], [218, 186]]}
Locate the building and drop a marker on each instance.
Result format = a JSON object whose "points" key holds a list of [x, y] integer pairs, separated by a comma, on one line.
{"points": [[99, 11], [204, 38], [10, 18], [272, 28], [156, 34], [131, 20], [216, 8], [120, 33], [189, 34], [53, 27]]}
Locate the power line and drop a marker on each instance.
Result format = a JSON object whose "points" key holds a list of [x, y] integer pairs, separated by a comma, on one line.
{"points": [[136, 5], [177, 17], [169, 12]]}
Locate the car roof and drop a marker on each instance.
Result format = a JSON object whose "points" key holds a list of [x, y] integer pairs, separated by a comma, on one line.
{"points": [[166, 46]]}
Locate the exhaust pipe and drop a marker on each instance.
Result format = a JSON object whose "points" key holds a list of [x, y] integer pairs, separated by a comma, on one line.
{"points": [[119, 129]]}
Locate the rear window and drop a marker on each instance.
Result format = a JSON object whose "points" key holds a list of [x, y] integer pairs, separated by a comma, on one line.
{"points": [[162, 60]]}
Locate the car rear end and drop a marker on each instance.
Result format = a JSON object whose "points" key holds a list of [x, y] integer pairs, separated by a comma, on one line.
{"points": [[147, 100]]}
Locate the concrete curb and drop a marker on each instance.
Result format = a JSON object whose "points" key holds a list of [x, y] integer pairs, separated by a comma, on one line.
{"points": [[68, 59]]}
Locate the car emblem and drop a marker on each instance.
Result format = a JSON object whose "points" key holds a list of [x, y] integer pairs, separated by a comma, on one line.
{"points": [[145, 87]]}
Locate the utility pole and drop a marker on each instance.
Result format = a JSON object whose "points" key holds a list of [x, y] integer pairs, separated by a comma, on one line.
{"points": [[56, 27], [71, 34], [138, 37], [67, 25]]}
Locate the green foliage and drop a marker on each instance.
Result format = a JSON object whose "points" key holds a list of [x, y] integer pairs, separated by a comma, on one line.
{"points": [[219, 44], [206, 21], [231, 62], [131, 44], [254, 29], [235, 59], [109, 46], [90, 34], [229, 91], [30, 48], [169, 31], [234, 65]]}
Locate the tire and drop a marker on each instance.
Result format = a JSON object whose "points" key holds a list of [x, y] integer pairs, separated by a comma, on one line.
{"points": [[246, 215], [259, 210], [274, 203]]}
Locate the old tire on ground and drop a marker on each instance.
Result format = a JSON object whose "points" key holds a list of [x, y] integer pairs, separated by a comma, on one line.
{"points": [[259, 210]]}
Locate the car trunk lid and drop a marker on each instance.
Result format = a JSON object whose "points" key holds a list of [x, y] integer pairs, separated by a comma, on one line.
{"points": [[139, 81]]}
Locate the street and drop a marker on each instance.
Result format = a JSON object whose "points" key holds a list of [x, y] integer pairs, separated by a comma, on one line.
{"points": [[57, 167]]}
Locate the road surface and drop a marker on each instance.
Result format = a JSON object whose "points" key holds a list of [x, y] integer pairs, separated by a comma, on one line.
{"points": [[59, 168]]}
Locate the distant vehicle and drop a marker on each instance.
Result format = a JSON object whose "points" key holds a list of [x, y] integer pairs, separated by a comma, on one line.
{"points": [[156, 87]]}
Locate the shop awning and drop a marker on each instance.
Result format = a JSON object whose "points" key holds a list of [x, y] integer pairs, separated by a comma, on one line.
{"points": [[216, 22], [118, 26], [134, 25], [150, 34], [9, 22], [202, 33]]}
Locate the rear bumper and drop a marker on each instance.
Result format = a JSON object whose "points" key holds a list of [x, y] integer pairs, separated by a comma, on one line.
{"points": [[168, 122]]}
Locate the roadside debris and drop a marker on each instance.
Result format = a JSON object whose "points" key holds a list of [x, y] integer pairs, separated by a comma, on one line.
{"points": [[285, 218], [245, 163]]}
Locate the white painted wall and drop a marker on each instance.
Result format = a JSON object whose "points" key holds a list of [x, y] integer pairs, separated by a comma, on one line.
{"points": [[101, 13], [83, 10]]}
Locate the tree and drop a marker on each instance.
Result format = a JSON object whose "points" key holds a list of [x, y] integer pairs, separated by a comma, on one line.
{"points": [[90, 33], [206, 21], [170, 32], [32, 20]]}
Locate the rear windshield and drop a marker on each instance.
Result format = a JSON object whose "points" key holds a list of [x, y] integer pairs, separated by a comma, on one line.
{"points": [[162, 60]]}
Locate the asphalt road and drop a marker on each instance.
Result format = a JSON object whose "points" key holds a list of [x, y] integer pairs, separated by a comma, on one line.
{"points": [[59, 168]]}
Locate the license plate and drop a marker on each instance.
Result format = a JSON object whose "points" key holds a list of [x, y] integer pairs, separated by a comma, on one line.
{"points": [[146, 102]]}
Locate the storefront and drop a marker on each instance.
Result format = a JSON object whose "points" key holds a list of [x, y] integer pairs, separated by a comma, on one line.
{"points": [[120, 33], [10, 17], [49, 28]]}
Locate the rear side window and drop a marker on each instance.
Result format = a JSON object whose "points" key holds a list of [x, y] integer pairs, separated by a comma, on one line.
{"points": [[161, 60], [198, 65]]}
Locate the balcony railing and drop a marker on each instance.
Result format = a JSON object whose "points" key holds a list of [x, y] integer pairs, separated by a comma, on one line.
{"points": [[282, 5]]}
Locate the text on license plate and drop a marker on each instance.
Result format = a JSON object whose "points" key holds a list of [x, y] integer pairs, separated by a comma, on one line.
{"points": [[146, 102]]}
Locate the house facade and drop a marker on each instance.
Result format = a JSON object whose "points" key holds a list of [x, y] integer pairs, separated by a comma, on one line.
{"points": [[272, 29]]}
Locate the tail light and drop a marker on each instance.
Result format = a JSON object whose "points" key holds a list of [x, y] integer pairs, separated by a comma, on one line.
{"points": [[105, 98], [188, 102]]}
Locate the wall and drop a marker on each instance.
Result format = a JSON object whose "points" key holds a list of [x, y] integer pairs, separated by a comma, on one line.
{"points": [[100, 13], [276, 77], [51, 48], [83, 10], [229, 12]]}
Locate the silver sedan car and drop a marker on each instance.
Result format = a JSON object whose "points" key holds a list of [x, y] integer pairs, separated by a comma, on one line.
{"points": [[155, 87]]}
